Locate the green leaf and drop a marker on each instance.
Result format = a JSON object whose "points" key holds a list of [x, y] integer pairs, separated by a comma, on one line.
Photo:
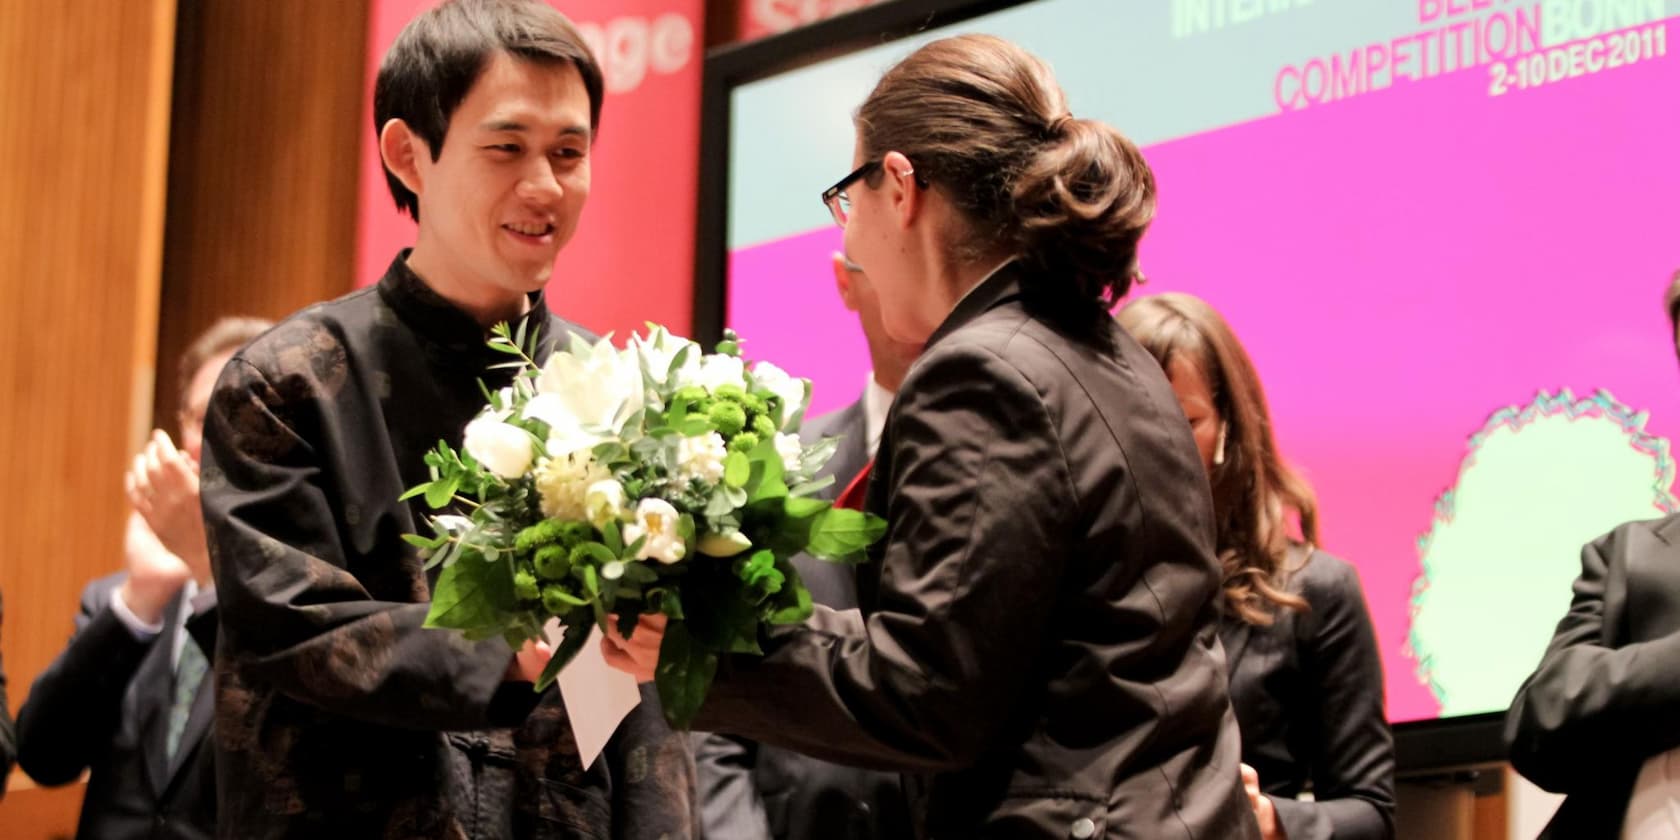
{"points": [[613, 538], [415, 491], [473, 595], [694, 426], [811, 488], [627, 623], [839, 534], [597, 552], [519, 335], [639, 573], [799, 610], [610, 452], [684, 675], [577, 632], [440, 492], [800, 507], [736, 469], [766, 479], [427, 543], [725, 500], [668, 602]]}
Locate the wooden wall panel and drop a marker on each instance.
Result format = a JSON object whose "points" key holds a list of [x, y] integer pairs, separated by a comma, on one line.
{"points": [[84, 92], [263, 165]]}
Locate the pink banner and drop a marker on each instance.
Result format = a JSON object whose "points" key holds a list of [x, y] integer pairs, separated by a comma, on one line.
{"points": [[632, 259], [759, 18]]}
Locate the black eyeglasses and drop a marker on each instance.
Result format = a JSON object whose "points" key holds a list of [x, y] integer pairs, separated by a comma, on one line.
{"points": [[839, 204]]}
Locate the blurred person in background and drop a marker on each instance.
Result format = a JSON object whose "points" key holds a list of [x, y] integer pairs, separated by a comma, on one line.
{"points": [[1306, 678]]}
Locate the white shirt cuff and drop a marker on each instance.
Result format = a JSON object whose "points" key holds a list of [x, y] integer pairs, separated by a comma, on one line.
{"points": [[141, 630]]}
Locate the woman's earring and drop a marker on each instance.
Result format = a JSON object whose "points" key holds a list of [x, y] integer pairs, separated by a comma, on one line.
{"points": [[1219, 447]]}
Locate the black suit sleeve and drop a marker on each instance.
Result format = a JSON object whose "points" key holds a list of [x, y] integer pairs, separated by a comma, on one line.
{"points": [[291, 610], [1353, 768], [979, 502], [75, 706], [1589, 706], [8, 735], [730, 805]]}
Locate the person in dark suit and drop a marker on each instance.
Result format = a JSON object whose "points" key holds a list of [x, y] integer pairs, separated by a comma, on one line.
{"points": [[1599, 719], [8, 735], [1037, 642], [127, 698], [753, 791], [1306, 678]]}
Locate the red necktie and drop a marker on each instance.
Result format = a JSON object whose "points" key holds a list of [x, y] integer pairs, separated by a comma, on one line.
{"points": [[852, 497]]}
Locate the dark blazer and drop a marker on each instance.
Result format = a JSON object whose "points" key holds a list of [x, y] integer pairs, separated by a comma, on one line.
{"points": [[8, 735], [1605, 696], [753, 791], [1038, 640], [337, 713], [1308, 693], [103, 705]]}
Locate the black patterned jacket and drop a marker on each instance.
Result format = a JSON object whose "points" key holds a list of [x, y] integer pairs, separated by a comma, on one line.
{"points": [[337, 714]]}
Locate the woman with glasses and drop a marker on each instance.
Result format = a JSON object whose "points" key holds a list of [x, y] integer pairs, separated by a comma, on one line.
{"points": [[1037, 643]]}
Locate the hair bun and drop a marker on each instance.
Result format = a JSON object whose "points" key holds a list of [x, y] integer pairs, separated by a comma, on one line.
{"points": [[1083, 202]]}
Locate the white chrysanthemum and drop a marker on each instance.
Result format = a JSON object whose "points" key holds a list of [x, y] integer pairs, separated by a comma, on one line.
{"points": [[563, 482], [701, 457]]}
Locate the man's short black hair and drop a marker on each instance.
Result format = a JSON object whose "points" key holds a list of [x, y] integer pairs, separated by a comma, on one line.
{"points": [[440, 54]]}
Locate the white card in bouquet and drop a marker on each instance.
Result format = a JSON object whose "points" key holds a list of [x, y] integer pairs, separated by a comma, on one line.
{"points": [[598, 696]]}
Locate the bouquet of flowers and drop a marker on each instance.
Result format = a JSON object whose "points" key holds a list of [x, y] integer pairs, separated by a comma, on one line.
{"points": [[614, 483]]}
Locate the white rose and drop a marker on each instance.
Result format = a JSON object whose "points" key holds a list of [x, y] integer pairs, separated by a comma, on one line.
{"points": [[603, 502], [563, 483], [598, 386], [502, 448], [657, 521], [790, 390], [719, 370], [702, 457], [659, 347], [789, 447]]}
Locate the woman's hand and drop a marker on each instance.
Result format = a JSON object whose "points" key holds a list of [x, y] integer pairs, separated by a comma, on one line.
{"points": [[1262, 805], [638, 655]]}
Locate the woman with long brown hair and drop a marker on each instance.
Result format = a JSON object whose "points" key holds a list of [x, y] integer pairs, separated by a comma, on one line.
{"points": [[1038, 635], [1306, 679]]}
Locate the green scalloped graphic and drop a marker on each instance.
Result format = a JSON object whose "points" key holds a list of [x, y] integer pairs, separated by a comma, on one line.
{"points": [[1537, 482]]}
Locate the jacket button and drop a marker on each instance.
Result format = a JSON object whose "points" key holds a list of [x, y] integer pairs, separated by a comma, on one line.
{"points": [[1083, 829]]}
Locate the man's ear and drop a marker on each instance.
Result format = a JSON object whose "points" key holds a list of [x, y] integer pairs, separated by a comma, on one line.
{"points": [[400, 147]]}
